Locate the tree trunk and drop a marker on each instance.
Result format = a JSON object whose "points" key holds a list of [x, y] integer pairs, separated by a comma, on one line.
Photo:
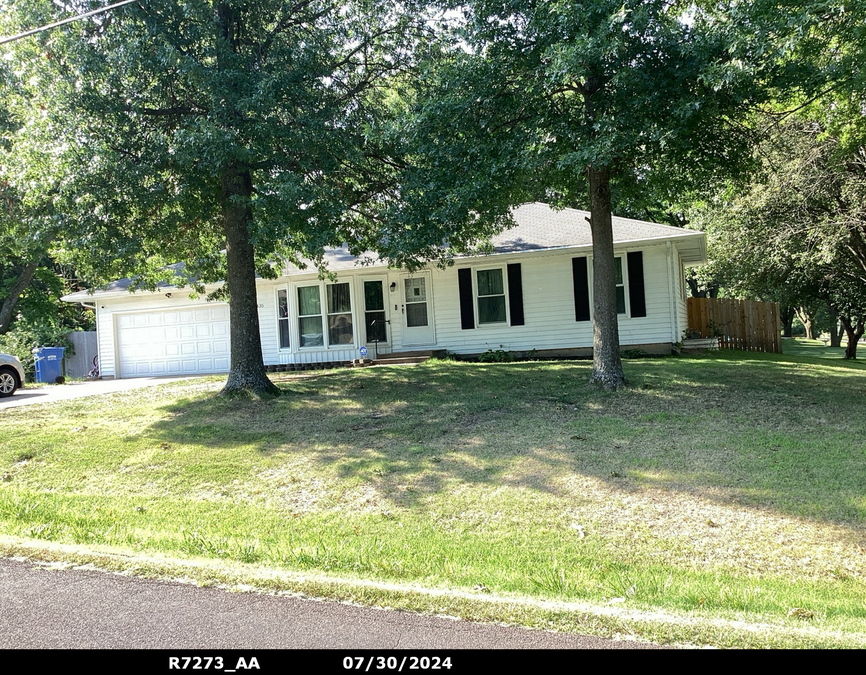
{"points": [[247, 372], [854, 331], [807, 316], [692, 281], [14, 293], [787, 315], [711, 291], [836, 331], [606, 364]]}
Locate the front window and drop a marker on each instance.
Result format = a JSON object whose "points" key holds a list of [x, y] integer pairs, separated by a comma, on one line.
{"points": [[620, 287], [283, 318], [339, 315], [310, 316], [491, 297]]}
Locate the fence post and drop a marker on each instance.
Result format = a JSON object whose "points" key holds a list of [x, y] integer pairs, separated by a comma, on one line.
{"points": [[777, 329]]}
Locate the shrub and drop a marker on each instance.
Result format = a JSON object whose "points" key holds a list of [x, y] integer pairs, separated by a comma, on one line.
{"points": [[496, 356]]}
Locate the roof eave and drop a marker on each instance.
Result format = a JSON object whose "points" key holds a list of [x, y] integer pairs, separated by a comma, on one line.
{"points": [[87, 296], [690, 236]]}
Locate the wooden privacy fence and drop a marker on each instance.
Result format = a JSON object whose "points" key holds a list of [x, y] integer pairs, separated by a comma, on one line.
{"points": [[739, 324]]}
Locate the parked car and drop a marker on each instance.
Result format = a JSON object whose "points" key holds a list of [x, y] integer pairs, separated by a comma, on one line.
{"points": [[11, 375]]}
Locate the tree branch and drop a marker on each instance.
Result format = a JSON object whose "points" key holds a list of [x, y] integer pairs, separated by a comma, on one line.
{"points": [[14, 293]]}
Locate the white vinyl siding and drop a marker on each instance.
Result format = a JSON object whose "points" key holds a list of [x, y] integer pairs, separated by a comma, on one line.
{"points": [[268, 322], [681, 294], [108, 309], [548, 305]]}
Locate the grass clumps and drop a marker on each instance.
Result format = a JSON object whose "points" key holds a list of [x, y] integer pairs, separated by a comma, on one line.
{"points": [[718, 488]]}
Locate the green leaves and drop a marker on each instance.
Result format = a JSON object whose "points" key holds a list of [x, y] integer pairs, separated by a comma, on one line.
{"points": [[794, 232], [148, 109]]}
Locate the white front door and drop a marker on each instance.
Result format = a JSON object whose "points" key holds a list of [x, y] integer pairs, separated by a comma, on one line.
{"points": [[417, 311]]}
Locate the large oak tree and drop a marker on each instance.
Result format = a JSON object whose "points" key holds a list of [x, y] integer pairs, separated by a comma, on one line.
{"points": [[224, 134], [569, 101]]}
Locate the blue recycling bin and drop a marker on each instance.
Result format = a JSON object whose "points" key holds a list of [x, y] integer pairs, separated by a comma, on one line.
{"points": [[49, 364]]}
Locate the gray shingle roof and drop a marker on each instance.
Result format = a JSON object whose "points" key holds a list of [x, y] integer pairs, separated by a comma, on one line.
{"points": [[126, 283], [538, 227]]}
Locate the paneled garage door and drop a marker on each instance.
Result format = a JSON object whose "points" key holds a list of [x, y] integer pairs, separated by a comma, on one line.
{"points": [[190, 341]]}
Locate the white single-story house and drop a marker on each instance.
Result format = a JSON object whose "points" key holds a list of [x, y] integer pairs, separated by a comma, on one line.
{"points": [[533, 292]]}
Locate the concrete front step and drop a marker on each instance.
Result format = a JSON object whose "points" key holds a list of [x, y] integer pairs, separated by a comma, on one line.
{"points": [[399, 358], [388, 361], [409, 354]]}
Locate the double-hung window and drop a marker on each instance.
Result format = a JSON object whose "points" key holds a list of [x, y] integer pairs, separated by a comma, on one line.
{"points": [[339, 314], [620, 287], [629, 283], [310, 316], [491, 296], [283, 318], [328, 323]]}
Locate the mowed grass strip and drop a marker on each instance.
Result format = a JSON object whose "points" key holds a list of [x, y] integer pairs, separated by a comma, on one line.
{"points": [[819, 349], [727, 485]]}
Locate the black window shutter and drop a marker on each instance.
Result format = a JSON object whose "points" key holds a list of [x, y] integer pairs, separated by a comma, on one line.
{"points": [[467, 309], [515, 294], [581, 289], [637, 297]]}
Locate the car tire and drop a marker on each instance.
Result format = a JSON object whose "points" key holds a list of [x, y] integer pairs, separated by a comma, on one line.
{"points": [[8, 382]]}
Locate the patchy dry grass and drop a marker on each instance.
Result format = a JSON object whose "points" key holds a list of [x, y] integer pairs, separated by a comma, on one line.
{"points": [[721, 487]]}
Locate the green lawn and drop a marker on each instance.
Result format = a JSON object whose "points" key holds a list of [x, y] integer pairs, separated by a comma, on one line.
{"points": [[718, 500], [817, 349]]}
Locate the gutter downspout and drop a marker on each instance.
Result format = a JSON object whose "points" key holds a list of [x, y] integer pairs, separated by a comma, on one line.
{"points": [[675, 317]]}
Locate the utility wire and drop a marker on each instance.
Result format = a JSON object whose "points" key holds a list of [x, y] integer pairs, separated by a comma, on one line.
{"points": [[33, 31]]}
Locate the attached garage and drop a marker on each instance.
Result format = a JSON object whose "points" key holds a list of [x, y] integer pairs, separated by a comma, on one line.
{"points": [[187, 341]]}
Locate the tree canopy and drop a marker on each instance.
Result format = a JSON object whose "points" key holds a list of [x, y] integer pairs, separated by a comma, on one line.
{"points": [[31, 280], [793, 230], [223, 134], [569, 101], [796, 232]]}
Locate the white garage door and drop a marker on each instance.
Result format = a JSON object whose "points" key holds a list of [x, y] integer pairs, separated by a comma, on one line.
{"points": [[179, 342]]}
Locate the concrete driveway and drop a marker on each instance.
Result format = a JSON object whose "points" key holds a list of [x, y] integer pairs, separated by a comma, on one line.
{"points": [[51, 393]]}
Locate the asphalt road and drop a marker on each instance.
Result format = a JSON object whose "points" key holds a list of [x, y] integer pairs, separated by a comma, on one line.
{"points": [[70, 609]]}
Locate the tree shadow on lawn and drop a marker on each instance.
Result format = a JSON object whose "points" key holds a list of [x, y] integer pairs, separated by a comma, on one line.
{"points": [[775, 435]]}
